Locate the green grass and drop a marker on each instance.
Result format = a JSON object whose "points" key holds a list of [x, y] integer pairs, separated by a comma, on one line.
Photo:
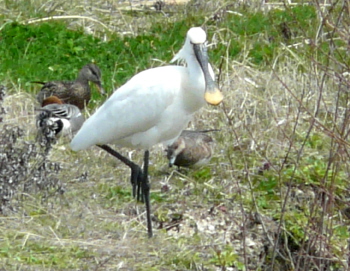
{"points": [[45, 256], [279, 175], [60, 52]]}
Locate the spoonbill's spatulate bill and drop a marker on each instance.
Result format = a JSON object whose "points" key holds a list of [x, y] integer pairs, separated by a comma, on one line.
{"points": [[153, 107]]}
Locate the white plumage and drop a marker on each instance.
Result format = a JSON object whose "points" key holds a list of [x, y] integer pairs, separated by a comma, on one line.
{"points": [[152, 107]]}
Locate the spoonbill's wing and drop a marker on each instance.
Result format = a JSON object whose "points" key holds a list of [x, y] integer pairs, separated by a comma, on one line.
{"points": [[134, 108]]}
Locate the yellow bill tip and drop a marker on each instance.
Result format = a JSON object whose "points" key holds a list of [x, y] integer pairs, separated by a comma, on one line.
{"points": [[214, 98]]}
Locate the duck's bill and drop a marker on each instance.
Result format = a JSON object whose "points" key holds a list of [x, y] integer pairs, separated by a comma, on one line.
{"points": [[172, 161], [100, 88], [212, 94]]}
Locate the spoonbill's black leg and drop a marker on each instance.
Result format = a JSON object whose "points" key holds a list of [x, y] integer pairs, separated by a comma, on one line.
{"points": [[145, 192], [139, 181], [135, 169]]}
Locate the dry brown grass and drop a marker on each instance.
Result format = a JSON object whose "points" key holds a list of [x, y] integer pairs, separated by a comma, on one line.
{"points": [[280, 118], [254, 122]]}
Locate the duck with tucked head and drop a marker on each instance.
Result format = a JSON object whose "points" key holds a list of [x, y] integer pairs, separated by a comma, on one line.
{"points": [[57, 119], [75, 92]]}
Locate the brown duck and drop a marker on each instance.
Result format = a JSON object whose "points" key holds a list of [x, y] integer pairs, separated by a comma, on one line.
{"points": [[75, 92], [191, 148]]}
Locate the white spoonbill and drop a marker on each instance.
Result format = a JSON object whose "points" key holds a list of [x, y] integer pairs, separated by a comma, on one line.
{"points": [[153, 107]]}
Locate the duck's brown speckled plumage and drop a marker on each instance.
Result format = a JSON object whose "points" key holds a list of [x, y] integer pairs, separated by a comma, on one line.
{"points": [[75, 92], [192, 148]]}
